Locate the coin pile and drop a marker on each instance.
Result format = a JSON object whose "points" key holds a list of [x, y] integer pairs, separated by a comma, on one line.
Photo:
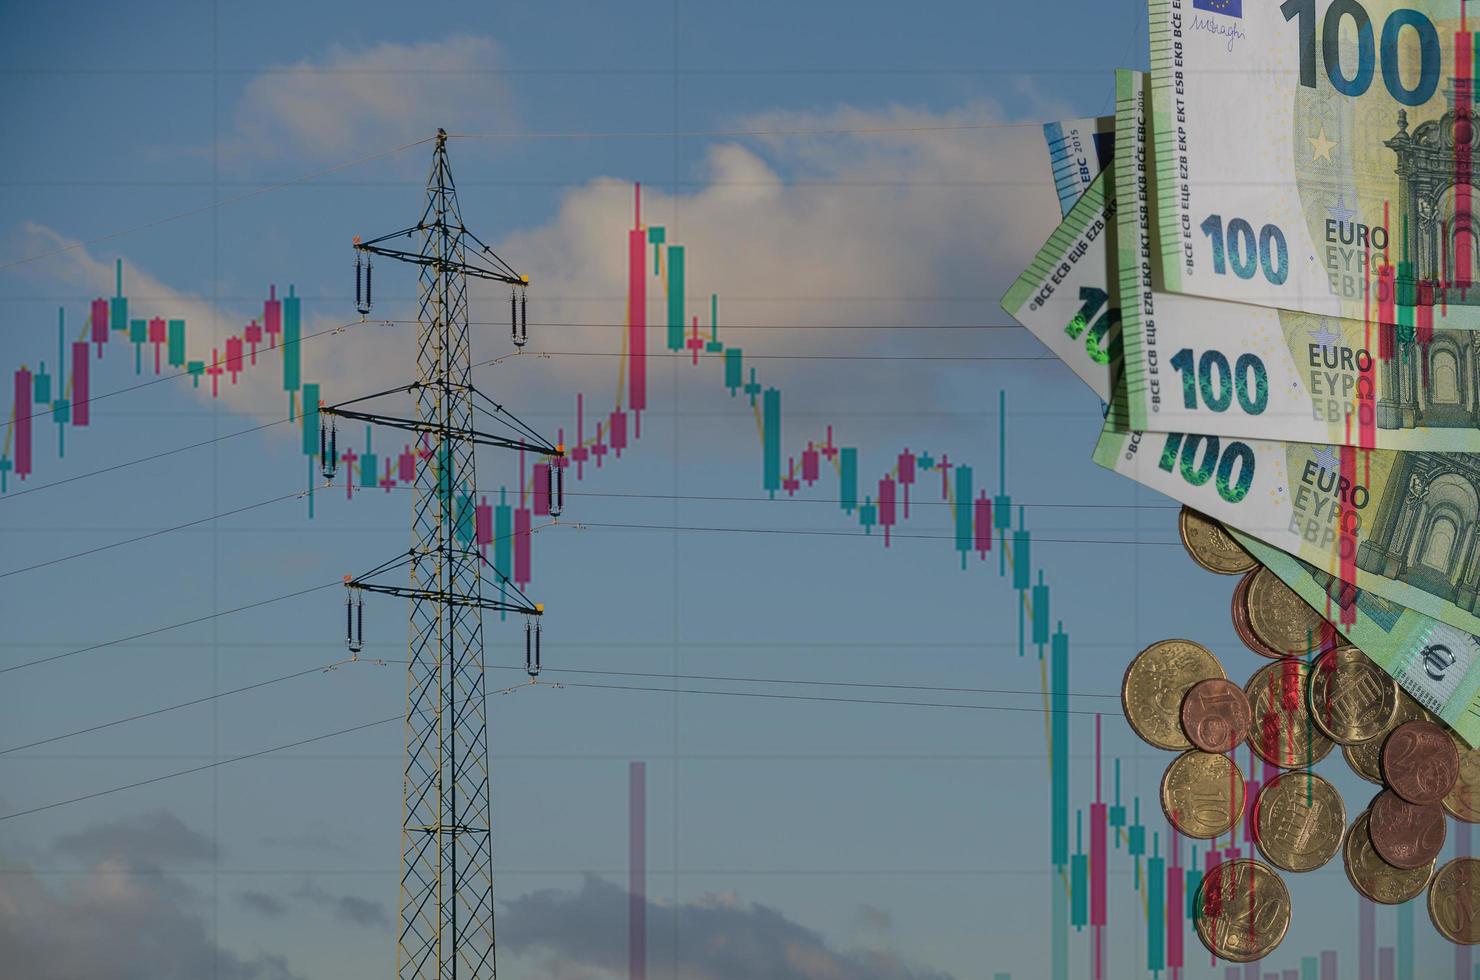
{"points": [[1313, 695]]}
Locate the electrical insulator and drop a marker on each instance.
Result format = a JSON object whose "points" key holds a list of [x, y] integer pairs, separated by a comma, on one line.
{"points": [[362, 284], [556, 487], [354, 622], [523, 317], [515, 334], [532, 648], [328, 448]]}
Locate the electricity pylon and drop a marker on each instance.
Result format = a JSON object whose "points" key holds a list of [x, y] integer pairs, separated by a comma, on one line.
{"points": [[446, 907]]}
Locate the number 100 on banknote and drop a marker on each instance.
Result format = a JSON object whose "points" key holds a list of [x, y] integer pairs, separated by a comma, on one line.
{"points": [[1319, 156]]}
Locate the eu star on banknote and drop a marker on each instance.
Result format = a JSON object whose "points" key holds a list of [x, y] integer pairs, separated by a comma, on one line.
{"points": [[1318, 155]]}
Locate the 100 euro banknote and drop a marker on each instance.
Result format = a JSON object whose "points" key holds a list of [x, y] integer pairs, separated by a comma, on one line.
{"points": [[1194, 364], [1436, 663], [1403, 526], [1319, 155]]}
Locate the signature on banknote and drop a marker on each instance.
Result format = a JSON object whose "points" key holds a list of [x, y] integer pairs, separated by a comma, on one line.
{"points": [[1221, 28]]}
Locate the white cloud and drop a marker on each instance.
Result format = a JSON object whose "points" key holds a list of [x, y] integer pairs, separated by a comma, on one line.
{"points": [[819, 229], [873, 225], [354, 101], [919, 227]]}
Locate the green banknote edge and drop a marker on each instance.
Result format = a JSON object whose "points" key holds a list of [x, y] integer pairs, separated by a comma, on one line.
{"points": [[1110, 445], [1131, 408], [1395, 647], [1163, 139], [1090, 204]]}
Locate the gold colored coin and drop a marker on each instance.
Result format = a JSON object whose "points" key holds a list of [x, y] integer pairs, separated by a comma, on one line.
{"points": [[1365, 758], [1374, 877], [1202, 794], [1244, 910], [1283, 621], [1454, 901], [1211, 546], [1351, 698], [1156, 682], [1463, 802], [1299, 819], [1283, 732]]}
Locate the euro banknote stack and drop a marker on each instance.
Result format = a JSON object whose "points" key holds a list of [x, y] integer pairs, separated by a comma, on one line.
{"points": [[1269, 274]]}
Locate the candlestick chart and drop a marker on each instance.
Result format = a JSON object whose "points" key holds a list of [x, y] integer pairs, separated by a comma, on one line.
{"points": [[1092, 829]]}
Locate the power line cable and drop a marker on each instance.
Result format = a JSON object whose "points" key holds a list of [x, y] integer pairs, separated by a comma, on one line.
{"points": [[165, 710], [1002, 538], [609, 687], [204, 699], [172, 626], [154, 534], [202, 768], [145, 459]]}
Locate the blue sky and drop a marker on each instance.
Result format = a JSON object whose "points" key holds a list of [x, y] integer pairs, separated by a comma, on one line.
{"points": [[864, 829]]}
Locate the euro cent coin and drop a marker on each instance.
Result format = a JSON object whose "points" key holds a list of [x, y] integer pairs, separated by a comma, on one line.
{"points": [[1299, 820], [1244, 910], [1351, 698], [1202, 794], [1406, 835], [1216, 715], [1283, 732], [1156, 682], [1212, 547], [1454, 901], [1372, 876], [1284, 622], [1420, 762]]}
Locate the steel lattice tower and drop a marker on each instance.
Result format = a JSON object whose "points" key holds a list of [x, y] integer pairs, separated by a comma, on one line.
{"points": [[446, 902]]}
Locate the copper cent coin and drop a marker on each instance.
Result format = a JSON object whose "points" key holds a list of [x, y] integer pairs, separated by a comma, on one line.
{"points": [[1372, 876], [1211, 546], [1365, 758], [1454, 901], [1420, 762], [1405, 835], [1216, 715]]}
